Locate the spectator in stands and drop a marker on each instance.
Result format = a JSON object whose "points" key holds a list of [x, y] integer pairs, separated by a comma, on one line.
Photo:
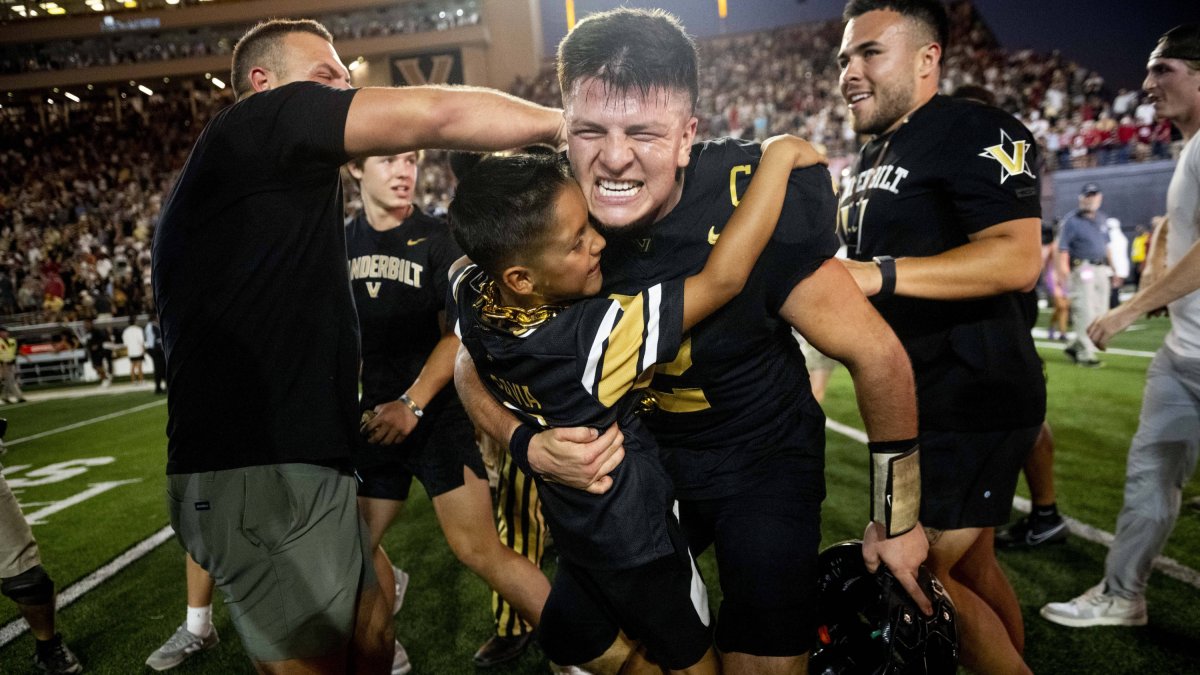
{"points": [[10, 387]]}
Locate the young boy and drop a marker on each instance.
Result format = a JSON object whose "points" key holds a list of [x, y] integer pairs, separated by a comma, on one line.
{"points": [[557, 356]]}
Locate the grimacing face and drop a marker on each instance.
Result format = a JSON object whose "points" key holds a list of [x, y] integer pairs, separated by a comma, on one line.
{"points": [[309, 57], [626, 150], [878, 60]]}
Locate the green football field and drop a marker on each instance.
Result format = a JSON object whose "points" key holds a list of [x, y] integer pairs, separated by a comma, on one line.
{"points": [[88, 471]]}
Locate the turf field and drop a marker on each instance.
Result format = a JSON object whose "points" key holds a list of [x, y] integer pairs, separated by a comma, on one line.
{"points": [[89, 470]]}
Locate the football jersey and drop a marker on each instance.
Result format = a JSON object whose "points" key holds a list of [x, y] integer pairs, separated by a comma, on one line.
{"points": [[586, 366], [955, 168], [737, 392], [399, 280]]}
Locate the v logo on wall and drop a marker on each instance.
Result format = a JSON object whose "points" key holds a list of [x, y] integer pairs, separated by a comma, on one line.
{"points": [[429, 68]]}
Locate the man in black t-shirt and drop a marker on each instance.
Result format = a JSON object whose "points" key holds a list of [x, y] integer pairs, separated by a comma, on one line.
{"points": [[743, 438], [399, 263], [945, 201], [261, 338]]}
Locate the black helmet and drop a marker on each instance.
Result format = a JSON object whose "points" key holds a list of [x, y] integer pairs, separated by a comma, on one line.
{"points": [[869, 625]]}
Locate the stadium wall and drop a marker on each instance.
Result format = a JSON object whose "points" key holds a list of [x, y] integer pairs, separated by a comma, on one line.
{"points": [[1133, 193]]}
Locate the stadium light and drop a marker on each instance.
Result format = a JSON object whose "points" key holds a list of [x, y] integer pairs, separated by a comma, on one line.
{"points": [[71, 96], [570, 15], [50, 101], [145, 90], [218, 83], [722, 8], [172, 2]]}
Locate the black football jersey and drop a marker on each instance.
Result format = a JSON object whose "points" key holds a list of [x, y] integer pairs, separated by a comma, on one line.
{"points": [[955, 168], [586, 366], [738, 391], [399, 280]]}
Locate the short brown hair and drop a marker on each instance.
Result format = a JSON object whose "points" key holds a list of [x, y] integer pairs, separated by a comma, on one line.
{"points": [[260, 47]]}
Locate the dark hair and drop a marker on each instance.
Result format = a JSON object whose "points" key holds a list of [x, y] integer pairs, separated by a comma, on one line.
{"points": [[259, 46], [630, 50], [929, 13], [974, 92], [504, 207]]}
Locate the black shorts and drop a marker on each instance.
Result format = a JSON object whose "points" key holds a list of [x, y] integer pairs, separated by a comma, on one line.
{"points": [[662, 604], [968, 478], [442, 443], [766, 540]]}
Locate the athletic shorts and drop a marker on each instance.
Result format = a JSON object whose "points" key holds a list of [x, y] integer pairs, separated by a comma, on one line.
{"points": [[287, 548], [662, 604], [968, 478], [766, 540], [18, 550], [442, 443]]}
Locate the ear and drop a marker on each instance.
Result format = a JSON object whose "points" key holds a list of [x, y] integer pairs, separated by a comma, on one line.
{"points": [[355, 171], [260, 79], [928, 58], [518, 279], [685, 149]]}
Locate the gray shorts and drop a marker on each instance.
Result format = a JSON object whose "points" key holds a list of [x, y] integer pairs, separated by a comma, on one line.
{"points": [[18, 550], [286, 546]]}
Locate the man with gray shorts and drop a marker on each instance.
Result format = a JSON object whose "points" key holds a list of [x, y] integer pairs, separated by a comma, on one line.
{"points": [[262, 340]]}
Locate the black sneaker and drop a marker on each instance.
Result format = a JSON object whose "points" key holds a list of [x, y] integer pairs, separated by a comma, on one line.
{"points": [[1091, 363], [501, 648], [55, 657], [1028, 532], [1072, 353]]}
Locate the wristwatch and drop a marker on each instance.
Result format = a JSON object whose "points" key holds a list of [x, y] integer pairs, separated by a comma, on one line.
{"points": [[887, 273], [416, 409]]}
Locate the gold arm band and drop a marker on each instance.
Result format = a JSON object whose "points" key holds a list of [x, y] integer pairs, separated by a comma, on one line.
{"points": [[896, 490]]}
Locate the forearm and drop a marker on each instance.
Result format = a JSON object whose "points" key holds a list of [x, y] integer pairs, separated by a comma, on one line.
{"points": [[1181, 279], [488, 415], [1062, 264], [385, 121], [437, 371], [977, 269], [885, 389]]}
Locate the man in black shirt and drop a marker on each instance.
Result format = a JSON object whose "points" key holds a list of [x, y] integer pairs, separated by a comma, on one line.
{"points": [[743, 438], [261, 338], [945, 200]]}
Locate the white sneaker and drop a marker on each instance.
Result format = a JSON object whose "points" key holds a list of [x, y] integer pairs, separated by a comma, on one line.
{"points": [[401, 588], [1097, 608], [104, 384], [400, 663], [567, 670], [179, 647]]}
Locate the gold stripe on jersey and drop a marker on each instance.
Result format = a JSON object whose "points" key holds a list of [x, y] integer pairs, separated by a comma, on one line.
{"points": [[680, 400], [623, 356], [522, 528]]}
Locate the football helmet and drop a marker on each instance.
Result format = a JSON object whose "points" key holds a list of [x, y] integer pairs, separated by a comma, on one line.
{"points": [[868, 624]]}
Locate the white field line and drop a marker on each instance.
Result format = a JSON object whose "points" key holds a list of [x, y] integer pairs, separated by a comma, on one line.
{"points": [[1168, 566], [1111, 350], [84, 423], [76, 590]]}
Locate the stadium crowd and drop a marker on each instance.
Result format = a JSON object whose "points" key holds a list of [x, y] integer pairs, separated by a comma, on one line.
{"points": [[111, 50]]}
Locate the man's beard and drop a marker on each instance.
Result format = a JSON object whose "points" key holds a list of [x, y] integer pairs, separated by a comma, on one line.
{"points": [[892, 103]]}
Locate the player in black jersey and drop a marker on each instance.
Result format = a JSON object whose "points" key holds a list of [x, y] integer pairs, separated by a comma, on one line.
{"points": [[399, 261], [743, 438], [945, 199], [557, 356]]}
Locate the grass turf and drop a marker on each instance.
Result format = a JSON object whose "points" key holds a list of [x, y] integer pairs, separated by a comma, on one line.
{"points": [[445, 617]]}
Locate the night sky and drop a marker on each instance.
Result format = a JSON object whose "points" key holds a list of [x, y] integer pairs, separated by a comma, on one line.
{"points": [[1113, 37]]}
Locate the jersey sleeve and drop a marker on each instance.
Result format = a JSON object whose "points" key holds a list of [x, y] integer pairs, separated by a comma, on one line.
{"points": [[805, 237], [458, 294], [304, 122], [995, 178], [622, 339]]}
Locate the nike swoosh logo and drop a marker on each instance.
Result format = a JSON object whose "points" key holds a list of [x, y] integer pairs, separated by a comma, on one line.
{"points": [[1032, 538], [414, 242], [713, 236]]}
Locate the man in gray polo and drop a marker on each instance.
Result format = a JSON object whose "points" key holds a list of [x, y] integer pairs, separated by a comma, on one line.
{"points": [[1083, 257]]}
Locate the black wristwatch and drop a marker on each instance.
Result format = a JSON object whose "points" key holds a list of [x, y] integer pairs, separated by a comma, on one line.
{"points": [[887, 272]]}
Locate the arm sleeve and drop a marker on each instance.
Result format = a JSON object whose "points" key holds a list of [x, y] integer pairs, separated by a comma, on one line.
{"points": [[995, 177], [623, 338], [304, 123]]}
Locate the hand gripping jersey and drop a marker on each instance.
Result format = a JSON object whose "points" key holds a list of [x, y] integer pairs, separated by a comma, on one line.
{"points": [[584, 365], [399, 279], [955, 168], [737, 393]]}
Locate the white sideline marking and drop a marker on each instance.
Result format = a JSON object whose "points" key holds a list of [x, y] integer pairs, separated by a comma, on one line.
{"points": [[1111, 350], [1168, 566], [76, 590], [94, 489], [84, 423]]}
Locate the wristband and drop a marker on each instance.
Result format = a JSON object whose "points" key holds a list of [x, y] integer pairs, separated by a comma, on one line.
{"points": [[416, 409], [887, 273], [895, 485], [518, 447]]}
